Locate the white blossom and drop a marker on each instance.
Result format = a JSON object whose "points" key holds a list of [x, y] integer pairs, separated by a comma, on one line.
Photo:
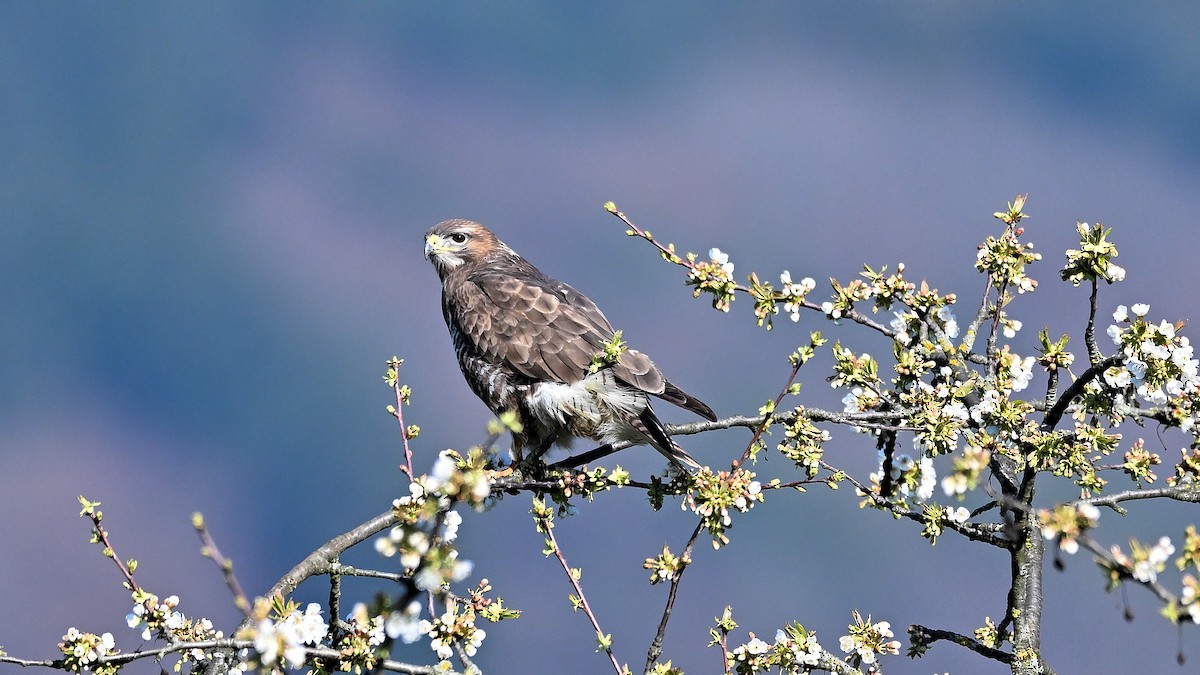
{"points": [[949, 323], [721, 258], [405, 625]]}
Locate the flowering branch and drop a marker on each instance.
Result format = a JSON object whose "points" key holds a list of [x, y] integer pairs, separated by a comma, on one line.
{"points": [[865, 420], [668, 254], [655, 650], [983, 532], [402, 399], [545, 524], [223, 644]]}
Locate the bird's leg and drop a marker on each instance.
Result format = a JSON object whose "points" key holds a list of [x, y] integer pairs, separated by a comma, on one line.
{"points": [[543, 448]]}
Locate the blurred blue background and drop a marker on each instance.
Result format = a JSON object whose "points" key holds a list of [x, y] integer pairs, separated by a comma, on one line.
{"points": [[210, 242]]}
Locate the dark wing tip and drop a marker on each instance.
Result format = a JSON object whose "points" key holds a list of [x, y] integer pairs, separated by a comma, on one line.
{"points": [[681, 398]]}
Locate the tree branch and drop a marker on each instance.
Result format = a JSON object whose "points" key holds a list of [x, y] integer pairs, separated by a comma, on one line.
{"points": [[230, 645], [1054, 414], [983, 532], [210, 550], [928, 636], [656, 645], [865, 420]]}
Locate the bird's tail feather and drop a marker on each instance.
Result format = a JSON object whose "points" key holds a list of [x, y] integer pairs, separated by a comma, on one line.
{"points": [[650, 425]]}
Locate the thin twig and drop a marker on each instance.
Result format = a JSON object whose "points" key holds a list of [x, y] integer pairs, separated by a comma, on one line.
{"points": [[398, 389], [209, 550], [349, 571], [1126, 574], [656, 645], [547, 527], [102, 537], [674, 258], [1184, 492], [984, 532], [767, 418], [972, 331]]}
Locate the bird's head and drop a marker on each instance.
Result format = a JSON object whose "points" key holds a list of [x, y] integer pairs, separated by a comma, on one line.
{"points": [[453, 243]]}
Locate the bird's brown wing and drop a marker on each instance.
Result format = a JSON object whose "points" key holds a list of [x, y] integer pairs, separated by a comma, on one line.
{"points": [[540, 327]]}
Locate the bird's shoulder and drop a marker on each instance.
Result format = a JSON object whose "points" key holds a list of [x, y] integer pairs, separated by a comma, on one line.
{"points": [[518, 290]]}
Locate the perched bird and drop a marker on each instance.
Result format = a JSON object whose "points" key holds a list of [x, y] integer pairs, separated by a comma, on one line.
{"points": [[533, 345]]}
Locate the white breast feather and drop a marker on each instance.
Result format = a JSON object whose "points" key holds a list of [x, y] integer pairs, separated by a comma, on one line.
{"points": [[593, 402]]}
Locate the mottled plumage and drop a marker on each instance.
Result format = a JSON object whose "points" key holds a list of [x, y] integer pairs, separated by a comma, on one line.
{"points": [[525, 343]]}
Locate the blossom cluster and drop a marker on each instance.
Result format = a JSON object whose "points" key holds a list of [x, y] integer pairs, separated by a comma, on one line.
{"points": [[1093, 259], [424, 545], [938, 414], [965, 471], [82, 652], [1139, 460], [911, 326], [850, 369], [712, 495], [910, 480], [1143, 562], [465, 479], [159, 619], [1004, 259], [802, 442], [585, 483], [788, 654], [1159, 362], [844, 297], [713, 276], [428, 527], [453, 626], [938, 516], [665, 566], [280, 642], [359, 643], [792, 293], [1066, 523], [866, 639]]}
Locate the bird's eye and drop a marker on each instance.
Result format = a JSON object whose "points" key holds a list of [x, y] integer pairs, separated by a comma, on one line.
{"points": [[458, 238]]}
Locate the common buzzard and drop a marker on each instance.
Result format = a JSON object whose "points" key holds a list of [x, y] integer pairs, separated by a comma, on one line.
{"points": [[531, 344]]}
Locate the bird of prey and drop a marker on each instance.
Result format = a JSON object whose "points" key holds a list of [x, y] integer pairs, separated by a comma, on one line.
{"points": [[531, 345]]}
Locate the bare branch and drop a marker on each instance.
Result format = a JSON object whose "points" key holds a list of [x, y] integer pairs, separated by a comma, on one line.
{"points": [[210, 550]]}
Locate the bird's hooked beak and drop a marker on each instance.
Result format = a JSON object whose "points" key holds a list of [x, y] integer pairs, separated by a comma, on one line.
{"points": [[433, 246]]}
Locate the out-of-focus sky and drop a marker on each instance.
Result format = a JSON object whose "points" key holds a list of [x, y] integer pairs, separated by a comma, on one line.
{"points": [[210, 243]]}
